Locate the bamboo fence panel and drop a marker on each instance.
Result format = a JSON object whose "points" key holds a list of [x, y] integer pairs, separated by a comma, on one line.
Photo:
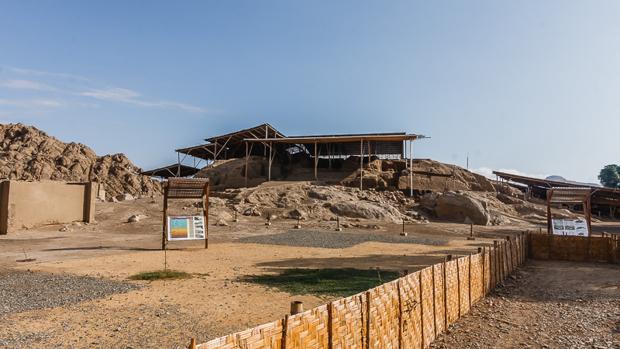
{"points": [[408, 312], [476, 277], [439, 306], [488, 271], [264, 336], [463, 270], [428, 314], [452, 292], [574, 248], [384, 313], [411, 311], [308, 330], [348, 322]]}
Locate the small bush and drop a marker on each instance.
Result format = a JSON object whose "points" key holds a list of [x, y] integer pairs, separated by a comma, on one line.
{"points": [[161, 275]]}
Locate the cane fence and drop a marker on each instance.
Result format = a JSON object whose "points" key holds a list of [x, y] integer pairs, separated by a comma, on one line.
{"points": [[409, 312]]}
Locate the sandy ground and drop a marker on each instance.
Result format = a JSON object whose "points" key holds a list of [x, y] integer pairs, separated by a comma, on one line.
{"points": [[545, 305], [166, 314], [212, 303]]}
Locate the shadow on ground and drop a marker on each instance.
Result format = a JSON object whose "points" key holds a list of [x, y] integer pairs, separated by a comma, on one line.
{"points": [[323, 282]]}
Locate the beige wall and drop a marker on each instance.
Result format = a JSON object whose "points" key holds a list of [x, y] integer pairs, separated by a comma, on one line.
{"points": [[32, 204]]}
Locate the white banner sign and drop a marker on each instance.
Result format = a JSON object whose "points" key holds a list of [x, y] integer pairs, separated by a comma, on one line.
{"points": [[572, 227], [186, 228]]}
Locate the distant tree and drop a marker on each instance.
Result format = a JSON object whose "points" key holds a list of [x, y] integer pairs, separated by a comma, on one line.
{"points": [[610, 176]]}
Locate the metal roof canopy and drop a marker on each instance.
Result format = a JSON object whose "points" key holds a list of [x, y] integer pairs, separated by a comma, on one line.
{"points": [[346, 138], [261, 131], [570, 195], [174, 170], [230, 145], [600, 195]]}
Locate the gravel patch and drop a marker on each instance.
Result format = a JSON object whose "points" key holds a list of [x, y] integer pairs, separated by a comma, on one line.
{"points": [[322, 239], [24, 290], [545, 305]]}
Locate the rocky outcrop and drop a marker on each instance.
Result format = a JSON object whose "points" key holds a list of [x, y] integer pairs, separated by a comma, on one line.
{"points": [[457, 207], [28, 153], [366, 210]]}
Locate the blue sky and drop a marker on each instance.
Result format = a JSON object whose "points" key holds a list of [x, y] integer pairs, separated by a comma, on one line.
{"points": [[526, 85]]}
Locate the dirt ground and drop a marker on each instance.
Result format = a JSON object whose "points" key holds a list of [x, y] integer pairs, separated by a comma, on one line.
{"points": [[215, 301], [212, 303], [545, 305]]}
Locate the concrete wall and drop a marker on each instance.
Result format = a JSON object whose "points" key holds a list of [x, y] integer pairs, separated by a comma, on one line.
{"points": [[31, 204]]}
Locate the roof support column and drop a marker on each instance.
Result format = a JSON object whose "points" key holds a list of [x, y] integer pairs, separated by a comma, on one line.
{"points": [[247, 155], [178, 164], [270, 161], [361, 163], [316, 161], [411, 168]]}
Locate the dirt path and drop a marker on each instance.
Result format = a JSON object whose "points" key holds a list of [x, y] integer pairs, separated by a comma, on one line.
{"points": [[545, 305]]}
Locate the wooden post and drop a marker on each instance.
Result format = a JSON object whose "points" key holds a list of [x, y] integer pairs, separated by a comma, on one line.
{"points": [[458, 284], [434, 305], [411, 168], [421, 310], [400, 315], [445, 295], [205, 212], [269, 163], [192, 343], [361, 164], [316, 161], [484, 274], [549, 224], [247, 155], [496, 276], [330, 325], [469, 277], [297, 307], [368, 300], [165, 218], [284, 331]]}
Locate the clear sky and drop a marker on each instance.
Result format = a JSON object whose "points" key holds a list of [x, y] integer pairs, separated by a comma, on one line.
{"points": [[526, 85]]}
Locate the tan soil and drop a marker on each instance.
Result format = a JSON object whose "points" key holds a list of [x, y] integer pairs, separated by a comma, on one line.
{"points": [[214, 302]]}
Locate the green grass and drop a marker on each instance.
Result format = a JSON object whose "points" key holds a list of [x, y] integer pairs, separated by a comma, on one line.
{"points": [[324, 282], [161, 275]]}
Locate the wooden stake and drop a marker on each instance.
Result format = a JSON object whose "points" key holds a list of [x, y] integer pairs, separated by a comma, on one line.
{"points": [[421, 310], [434, 306], [469, 277], [192, 343], [297, 307], [445, 295]]}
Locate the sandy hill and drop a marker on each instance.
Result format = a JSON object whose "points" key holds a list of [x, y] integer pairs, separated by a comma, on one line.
{"points": [[27, 153]]}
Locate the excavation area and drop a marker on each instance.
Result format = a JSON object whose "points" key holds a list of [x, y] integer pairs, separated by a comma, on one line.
{"points": [[545, 304]]}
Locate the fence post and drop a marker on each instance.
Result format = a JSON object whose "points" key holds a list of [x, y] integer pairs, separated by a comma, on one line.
{"points": [[458, 284], [445, 295], [421, 309], [469, 277], [494, 265], [284, 331], [330, 325], [400, 316], [367, 320], [434, 305], [484, 262]]}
